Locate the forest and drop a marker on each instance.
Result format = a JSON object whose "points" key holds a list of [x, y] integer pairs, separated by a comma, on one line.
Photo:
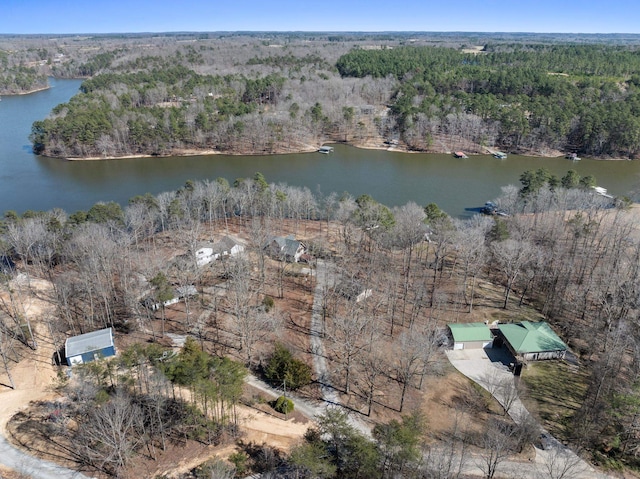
{"points": [[560, 252], [270, 93]]}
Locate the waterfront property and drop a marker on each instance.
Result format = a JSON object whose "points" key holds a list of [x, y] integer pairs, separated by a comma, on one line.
{"points": [[471, 335], [285, 248], [325, 149], [88, 347], [460, 154], [532, 341], [208, 252], [500, 155]]}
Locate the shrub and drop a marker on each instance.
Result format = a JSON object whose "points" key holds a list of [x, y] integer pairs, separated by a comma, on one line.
{"points": [[283, 369], [239, 460], [268, 303], [283, 405]]}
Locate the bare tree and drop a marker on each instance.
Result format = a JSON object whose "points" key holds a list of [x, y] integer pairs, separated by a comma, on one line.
{"points": [[110, 434], [370, 369], [350, 335], [511, 256], [250, 322], [415, 350], [5, 348], [497, 444], [472, 253], [448, 458], [561, 463]]}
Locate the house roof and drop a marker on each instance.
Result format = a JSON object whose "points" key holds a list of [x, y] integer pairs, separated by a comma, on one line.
{"points": [[225, 244], [288, 245], [205, 244], [528, 337], [182, 291], [470, 332], [93, 341]]}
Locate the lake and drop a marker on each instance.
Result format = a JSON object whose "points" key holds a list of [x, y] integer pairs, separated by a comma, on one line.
{"points": [[31, 182]]}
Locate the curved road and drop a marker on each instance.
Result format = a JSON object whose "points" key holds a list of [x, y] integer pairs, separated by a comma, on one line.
{"points": [[36, 468], [492, 375]]}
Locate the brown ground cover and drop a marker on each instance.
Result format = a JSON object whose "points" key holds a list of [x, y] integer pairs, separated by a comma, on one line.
{"points": [[444, 397]]}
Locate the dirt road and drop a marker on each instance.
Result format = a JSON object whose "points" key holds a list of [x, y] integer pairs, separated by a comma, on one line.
{"points": [[33, 377], [324, 277]]}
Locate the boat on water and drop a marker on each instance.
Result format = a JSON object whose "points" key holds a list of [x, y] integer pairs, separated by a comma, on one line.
{"points": [[460, 154], [602, 191], [325, 150], [490, 209], [500, 155], [572, 157]]}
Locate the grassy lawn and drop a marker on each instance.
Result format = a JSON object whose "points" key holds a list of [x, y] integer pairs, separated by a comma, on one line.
{"points": [[553, 392]]}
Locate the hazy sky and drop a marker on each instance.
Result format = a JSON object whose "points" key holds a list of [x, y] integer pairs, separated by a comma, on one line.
{"points": [[107, 16]]}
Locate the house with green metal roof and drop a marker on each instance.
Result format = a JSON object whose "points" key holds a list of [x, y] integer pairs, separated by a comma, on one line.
{"points": [[532, 341], [471, 335]]}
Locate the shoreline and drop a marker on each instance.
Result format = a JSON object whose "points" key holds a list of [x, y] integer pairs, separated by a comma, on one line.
{"points": [[362, 146], [22, 93], [371, 144]]}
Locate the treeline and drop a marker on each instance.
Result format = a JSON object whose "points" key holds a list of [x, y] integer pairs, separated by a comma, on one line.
{"points": [[574, 59], [523, 97], [20, 79], [157, 112], [566, 97]]}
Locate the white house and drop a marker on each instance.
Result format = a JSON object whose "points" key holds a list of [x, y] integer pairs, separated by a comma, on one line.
{"points": [[204, 254], [208, 252], [178, 294]]}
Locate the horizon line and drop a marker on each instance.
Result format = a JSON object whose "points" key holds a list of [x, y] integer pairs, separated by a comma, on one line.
{"points": [[357, 32]]}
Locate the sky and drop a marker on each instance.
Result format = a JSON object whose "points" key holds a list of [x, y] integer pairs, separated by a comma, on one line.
{"points": [[134, 16]]}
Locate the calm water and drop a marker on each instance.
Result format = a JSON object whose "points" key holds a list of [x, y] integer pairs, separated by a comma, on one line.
{"points": [[31, 182]]}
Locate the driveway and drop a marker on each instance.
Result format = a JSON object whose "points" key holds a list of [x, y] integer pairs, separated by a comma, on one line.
{"points": [[325, 276], [490, 369]]}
